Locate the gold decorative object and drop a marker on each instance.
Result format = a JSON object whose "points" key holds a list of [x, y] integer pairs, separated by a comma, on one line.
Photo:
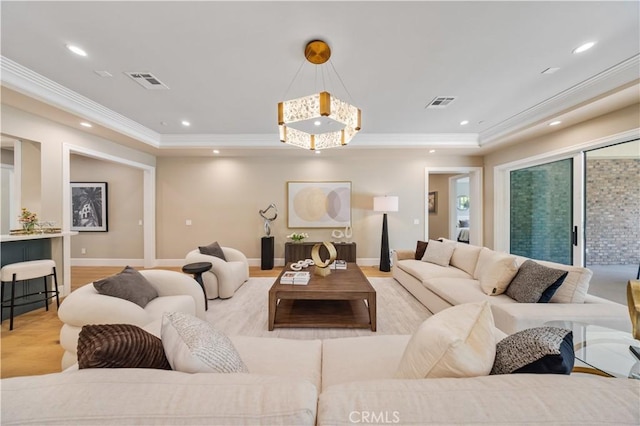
{"points": [[633, 301], [322, 267], [320, 120]]}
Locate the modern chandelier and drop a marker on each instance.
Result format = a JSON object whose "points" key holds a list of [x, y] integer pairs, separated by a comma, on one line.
{"points": [[320, 120]]}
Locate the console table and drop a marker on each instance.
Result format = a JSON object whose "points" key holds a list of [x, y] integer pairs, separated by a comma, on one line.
{"points": [[300, 251]]}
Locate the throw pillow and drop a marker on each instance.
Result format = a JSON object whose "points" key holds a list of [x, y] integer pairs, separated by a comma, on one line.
{"points": [[535, 283], [420, 248], [540, 350], [119, 346], [495, 270], [130, 285], [439, 252], [194, 346], [213, 249], [456, 342]]}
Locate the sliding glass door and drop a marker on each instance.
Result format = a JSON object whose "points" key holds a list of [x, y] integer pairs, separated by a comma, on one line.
{"points": [[541, 212]]}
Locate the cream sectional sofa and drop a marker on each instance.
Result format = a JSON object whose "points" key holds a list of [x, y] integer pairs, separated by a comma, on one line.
{"points": [[439, 287], [306, 382]]}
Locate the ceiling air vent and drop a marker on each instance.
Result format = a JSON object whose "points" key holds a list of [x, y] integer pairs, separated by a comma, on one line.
{"points": [[147, 80], [440, 102]]}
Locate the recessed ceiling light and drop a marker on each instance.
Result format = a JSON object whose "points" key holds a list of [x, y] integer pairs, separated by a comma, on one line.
{"points": [[464, 122], [584, 47], [431, 151], [76, 50], [85, 124], [185, 123], [215, 151], [555, 123], [317, 122]]}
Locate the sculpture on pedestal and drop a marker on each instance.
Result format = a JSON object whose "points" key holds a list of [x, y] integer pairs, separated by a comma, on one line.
{"points": [[268, 220], [267, 240]]}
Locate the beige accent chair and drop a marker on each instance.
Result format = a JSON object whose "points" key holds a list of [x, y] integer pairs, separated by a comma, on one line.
{"points": [[225, 277], [177, 292]]}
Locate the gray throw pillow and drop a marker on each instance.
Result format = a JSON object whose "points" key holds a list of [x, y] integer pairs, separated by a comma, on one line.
{"points": [[540, 350], [213, 249], [120, 346], [130, 285], [535, 283]]}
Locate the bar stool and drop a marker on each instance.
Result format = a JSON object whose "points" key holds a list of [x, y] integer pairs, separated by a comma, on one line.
{"points": [[22, 271]]}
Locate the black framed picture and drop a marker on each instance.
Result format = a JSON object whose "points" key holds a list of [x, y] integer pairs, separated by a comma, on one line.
{"points": [[89, 206]]}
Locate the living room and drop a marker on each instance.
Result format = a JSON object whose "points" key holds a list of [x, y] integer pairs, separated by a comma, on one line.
{"points": [[169, 192]]}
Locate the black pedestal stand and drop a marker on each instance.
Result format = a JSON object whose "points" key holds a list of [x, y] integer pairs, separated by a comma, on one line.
{"points": [[385, 262], [267, 253]]}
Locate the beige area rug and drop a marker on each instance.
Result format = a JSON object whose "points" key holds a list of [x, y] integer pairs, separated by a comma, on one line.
{"points": [[246, 313]]}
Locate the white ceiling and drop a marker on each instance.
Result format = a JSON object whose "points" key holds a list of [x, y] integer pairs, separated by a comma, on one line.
{"points": [[228, 64]]}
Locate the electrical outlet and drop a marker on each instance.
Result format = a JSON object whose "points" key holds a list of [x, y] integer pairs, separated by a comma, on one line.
{"points": [[187, 222], [416, 221], [83, 250], [140, 222]]}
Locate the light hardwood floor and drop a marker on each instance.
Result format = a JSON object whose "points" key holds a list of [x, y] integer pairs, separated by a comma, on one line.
{"points": [[33, 346]]}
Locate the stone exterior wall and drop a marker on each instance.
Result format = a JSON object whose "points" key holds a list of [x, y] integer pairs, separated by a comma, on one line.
{"points": [[613, 211]]}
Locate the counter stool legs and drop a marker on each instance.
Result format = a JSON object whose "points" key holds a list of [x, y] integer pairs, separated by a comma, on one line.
{"points": [[24, 271]]}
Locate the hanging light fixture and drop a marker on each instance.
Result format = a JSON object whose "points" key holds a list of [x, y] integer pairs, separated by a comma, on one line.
{"points": [[320, 120]]}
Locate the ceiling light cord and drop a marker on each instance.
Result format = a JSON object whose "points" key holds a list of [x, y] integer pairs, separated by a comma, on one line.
{"points": [[286, 92], [341, 82]]}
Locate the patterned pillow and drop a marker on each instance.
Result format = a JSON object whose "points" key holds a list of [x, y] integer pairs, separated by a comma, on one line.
{"points": [[120, 346], [130, 285], [194, 346], [542, 350], [213, 249], [535, 283], [421, 246]]}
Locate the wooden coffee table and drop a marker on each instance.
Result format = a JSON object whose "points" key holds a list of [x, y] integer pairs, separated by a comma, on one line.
{"points": [[343, 299]]}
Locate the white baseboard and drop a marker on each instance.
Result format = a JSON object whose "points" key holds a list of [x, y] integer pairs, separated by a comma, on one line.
{"points": [[180, 262]]}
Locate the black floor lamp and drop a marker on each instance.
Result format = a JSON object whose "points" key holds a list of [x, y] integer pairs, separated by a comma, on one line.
{"points": [[385, 204]]}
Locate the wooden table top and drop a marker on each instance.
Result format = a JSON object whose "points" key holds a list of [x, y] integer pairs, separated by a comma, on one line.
{"points": [[348, 280]]}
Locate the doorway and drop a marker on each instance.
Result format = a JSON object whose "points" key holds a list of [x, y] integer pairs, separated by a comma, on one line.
{"points": [[444, 203]]}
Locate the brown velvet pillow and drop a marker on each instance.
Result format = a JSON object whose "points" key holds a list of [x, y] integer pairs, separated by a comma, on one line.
{"points": [[213, 249], [120, 346], [130, 285], [421, 247]]}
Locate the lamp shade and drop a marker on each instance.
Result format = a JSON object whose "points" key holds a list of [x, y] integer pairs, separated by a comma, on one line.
{"points": [[385, 204]]}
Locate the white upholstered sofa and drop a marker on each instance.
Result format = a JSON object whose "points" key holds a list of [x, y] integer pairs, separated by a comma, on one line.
{"points": [[439, 287], [176, 292], [225, 276], [307, 382]]}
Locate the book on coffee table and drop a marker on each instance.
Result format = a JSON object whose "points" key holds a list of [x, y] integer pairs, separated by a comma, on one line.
{"points": [[339, 264], [292, 277]]}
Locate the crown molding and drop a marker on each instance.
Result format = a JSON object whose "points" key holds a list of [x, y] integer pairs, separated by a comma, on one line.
{"points": [[30, 83], [270, 140], [615, 76]]}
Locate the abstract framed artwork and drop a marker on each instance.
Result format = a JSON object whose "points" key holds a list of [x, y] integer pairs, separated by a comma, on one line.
{"points": [[318, 204], [89, 206], [433, 202]]}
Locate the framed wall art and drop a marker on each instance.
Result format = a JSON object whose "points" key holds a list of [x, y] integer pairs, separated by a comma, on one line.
{"points": [[318, 204], [433, 202], [89, 206]]}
